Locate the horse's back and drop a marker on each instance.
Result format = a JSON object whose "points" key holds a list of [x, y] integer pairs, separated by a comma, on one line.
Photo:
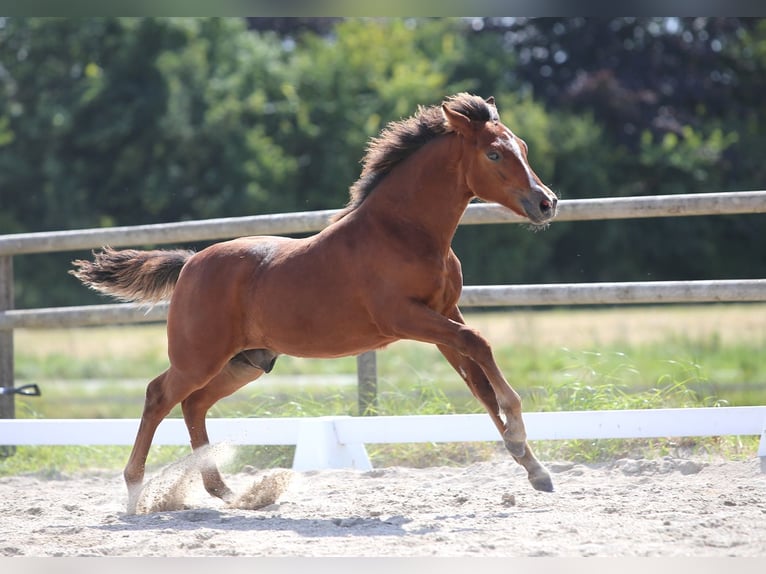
{"points": [[302, 297]]}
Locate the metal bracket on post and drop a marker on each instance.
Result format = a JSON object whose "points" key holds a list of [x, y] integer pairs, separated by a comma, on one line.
{"points": [[318, 448], [31, 390]]}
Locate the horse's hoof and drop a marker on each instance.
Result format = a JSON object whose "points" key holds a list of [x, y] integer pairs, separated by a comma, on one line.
{"points": [[542, 483], [221, 491], [134, 494], [516, 448]]}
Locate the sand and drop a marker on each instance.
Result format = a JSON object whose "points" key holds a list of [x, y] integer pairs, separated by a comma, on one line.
{"points": [[660, 508]]}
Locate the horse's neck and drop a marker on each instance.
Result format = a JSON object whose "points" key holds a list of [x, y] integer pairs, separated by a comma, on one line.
{"points": [[427, 190]]}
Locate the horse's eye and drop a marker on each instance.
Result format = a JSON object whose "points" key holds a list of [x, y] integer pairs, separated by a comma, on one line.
{"points": [[492, 155]]}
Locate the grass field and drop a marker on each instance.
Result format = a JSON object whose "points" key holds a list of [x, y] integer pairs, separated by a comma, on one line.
{"points": [[640, 357]]}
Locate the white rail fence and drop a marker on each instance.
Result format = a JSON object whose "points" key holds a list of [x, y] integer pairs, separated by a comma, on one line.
{"points": [[339, 441]]}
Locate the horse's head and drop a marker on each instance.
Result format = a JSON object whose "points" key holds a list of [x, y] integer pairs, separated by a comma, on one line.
{"points": [[495, 160]]}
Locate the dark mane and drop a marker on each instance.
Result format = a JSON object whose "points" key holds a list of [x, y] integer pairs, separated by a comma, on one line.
{"points": [[401, 138]]}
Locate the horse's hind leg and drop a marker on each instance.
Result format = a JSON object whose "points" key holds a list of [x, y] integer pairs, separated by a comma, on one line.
{"points": [[162, 394], [479, 384], [244, 368]]}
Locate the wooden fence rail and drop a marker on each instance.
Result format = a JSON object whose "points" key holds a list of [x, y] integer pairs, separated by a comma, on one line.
{"points": [[473, 296], [727, 203]]}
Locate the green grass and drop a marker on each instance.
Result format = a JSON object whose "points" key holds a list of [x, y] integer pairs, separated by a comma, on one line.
{"points": [[619, 363]]}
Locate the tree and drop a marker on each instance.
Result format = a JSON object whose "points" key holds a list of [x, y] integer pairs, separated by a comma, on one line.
{"points": [[345, 88], [125, 121], [110, 121], [638, 106], [131, 121]]}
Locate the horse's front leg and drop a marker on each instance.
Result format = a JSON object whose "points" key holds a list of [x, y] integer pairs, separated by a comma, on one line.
{"points": [[474, 377], [471, 355], [417, 321]]}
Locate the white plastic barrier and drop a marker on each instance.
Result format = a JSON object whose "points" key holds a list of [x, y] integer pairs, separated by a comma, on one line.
{"points": [[338, 442]]}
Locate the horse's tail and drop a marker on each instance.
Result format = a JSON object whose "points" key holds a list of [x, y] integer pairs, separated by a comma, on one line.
{"points": [[131, 275]]}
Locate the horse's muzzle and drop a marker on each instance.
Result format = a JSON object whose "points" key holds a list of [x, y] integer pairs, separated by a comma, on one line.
{"points": [[540, 206]]}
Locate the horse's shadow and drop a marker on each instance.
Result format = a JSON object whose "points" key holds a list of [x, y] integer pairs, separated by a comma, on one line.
{"points": [[195, 519]]}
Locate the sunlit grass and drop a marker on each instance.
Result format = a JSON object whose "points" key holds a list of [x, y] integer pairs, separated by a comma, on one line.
{"points": [[596, 382], [558, 361]]}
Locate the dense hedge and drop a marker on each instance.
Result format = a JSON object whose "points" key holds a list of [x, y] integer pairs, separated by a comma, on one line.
{"points": [[131, 121]]}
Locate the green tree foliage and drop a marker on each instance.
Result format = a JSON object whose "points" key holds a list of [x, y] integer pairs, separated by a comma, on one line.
{"points": [[135, 121], [345, 88], [636, 106], [111, 121]]}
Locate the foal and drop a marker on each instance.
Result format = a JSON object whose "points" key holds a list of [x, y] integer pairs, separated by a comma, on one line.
{"points": [[384, 270]]}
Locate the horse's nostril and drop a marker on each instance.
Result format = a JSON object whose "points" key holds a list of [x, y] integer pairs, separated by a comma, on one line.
{"points": [[548, 206]]}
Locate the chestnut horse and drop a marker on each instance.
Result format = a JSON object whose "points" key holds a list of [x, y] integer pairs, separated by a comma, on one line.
{"points": [[383, 270]]}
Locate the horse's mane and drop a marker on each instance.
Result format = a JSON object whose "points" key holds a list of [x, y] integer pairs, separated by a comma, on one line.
{"points": [[399, 139]]}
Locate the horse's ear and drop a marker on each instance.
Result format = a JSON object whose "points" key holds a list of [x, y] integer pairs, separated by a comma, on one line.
{"points": [[491, 101], [457, 121]]}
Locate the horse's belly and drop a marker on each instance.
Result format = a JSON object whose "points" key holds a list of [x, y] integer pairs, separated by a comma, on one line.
{"points": [[332, 350], [320, 330], [313, 297]]}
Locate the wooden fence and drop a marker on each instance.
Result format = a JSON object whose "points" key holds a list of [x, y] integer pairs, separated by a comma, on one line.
{"points": [[746, 202]]}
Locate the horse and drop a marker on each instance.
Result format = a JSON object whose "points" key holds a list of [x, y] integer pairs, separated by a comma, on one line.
{"points": [[383, 270]]}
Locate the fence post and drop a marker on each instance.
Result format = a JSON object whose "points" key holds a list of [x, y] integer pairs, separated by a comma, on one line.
{"points": [[7, 403], [367, 376]]}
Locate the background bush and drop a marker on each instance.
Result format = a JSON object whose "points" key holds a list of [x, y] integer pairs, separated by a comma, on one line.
{"points": [[108, 121]]}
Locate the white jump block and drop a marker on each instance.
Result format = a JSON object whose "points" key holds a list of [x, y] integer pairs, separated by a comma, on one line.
{"points": [[319, 447]]}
